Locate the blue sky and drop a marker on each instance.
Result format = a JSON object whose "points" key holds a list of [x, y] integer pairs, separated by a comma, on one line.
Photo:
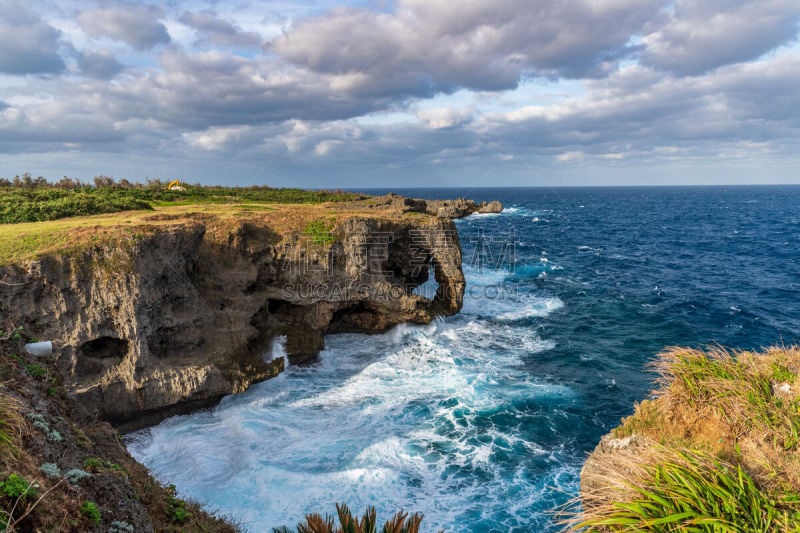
{"points": [[403, 93]]}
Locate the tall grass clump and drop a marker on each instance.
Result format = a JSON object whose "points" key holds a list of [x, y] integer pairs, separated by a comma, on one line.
{"points": [[11, 427], [694, 491]]}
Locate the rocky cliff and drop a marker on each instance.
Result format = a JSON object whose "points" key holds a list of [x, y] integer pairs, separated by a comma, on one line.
{"points": [[180, 309]]}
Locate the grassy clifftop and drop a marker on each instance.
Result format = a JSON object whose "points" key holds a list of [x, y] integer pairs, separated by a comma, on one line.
{"points": [[715, 449], [47, 202], [36, 222]]}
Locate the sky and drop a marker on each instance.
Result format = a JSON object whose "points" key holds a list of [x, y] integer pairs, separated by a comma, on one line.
{"points": [[403, 93]]}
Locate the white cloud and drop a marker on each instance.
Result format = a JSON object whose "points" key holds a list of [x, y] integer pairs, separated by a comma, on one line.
{"points": [[700, 36], [571, 156], [443, 118], [324, 148], [136, 24]]}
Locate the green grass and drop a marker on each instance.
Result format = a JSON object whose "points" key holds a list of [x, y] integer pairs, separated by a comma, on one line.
{"points": [[782, 374], [38, 372], [320, 231], [700, 493], [36, 204]]}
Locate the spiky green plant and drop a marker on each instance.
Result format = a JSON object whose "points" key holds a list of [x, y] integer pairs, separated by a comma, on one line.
{"points": [[316, 523]]}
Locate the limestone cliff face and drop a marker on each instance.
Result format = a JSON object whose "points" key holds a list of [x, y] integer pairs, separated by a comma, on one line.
{"points": [[175, 317]]}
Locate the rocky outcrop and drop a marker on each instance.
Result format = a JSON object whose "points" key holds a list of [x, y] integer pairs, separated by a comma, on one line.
{"points": [[458, 208], [492, 207], [174, 317]]}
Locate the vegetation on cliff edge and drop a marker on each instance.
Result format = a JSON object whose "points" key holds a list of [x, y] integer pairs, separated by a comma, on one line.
{"points": [[35, 200], [716, 449]]}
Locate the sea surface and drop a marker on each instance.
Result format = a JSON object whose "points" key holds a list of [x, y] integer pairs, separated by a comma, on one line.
{"points": [[482, 421]]}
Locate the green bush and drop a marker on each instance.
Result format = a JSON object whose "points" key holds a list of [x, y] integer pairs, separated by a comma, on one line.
{"points": [[91, 511], [15, 486], [95, 464], [176, 508]]}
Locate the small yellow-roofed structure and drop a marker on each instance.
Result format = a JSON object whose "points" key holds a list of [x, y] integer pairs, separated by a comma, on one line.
{"points": [[175, 185]]}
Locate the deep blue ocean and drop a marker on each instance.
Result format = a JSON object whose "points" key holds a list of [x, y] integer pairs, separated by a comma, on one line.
{"points": [[482, 420]]}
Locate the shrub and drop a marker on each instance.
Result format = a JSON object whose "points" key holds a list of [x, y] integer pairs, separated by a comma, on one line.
{"points": [[50, 470], [176, 508], [90, 511], [15, 486], [92, 463], [118, 526], [95, 464], [45, 202], [75, 475]]}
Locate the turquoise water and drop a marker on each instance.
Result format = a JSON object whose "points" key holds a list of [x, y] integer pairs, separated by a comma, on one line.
{"points": [[481, 421]]}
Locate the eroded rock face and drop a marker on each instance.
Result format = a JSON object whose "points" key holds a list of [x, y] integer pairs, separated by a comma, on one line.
{"points": [[183, 316], [492, 207]]}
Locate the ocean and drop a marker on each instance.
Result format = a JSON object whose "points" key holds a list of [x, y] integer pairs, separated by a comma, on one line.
{"points": [[482, 421]]}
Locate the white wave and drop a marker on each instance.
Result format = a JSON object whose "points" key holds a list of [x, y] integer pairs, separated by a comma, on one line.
{"points": [[539, 308], [277, 349]]}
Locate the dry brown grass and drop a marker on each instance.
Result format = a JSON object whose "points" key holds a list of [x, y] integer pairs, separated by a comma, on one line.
{"points": [[12, 427]]}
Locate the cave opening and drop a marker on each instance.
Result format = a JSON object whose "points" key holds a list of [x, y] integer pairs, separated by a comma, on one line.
{"points": [[105, 348]]}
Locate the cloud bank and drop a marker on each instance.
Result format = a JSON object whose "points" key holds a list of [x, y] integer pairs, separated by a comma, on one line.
{"points": [[416, 92]]}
